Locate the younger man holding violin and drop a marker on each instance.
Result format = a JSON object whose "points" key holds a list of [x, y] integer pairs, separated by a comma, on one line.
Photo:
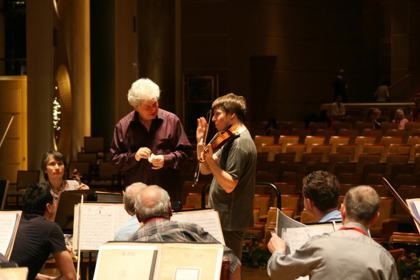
{"points": [[348, 253], [232, 166]]}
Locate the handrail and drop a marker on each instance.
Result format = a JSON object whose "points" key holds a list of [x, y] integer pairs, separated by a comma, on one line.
{"points": [[275, 189]]}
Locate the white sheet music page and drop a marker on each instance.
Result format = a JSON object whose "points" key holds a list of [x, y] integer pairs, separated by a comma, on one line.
{"points": [[207, 219], [9, 222], [99, 222]]}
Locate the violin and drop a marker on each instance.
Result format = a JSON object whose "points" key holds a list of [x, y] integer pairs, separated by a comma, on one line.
{"points": [[220, 138]]}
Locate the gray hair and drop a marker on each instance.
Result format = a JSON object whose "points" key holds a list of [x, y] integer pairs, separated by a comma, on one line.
{"points": [[141, 90], [130, 195], [153, 202], [361, 204]]}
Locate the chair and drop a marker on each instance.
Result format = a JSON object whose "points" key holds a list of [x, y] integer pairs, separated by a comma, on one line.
{"points": [[284, 140], [361, 125], [322, 150], [336, 126], [290, 201], [307, 218], [346, 173], [402, 174], [313, 140], [360, 141], [351, 133], [388, 125], [261, 140], [271, 150], [349, 150], [265, 168], [376, 133], [4, 187], [261, 202], [387, 140], [287, 188], [394, 132], [412, 141], [92, 158], [338, 140], [93, 144], [108, 176], [373, 173], [386, 206], [297, 149], [24, 179]]}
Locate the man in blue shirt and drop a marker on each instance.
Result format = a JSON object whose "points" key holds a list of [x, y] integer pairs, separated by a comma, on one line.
{"points": [[320, 196], [128, 231]]}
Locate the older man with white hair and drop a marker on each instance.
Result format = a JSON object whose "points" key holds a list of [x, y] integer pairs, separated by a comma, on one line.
{"points": [[149, 143], [128, 231]]}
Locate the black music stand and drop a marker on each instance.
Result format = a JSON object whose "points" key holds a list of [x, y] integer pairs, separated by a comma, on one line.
{"points": [[65, 211]]}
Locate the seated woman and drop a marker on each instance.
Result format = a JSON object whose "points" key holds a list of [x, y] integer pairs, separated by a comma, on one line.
{"points": [[53, 166], [400, 119]]}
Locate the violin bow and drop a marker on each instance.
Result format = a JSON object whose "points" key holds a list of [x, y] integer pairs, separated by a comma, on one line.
{"points": [[197, 169]]}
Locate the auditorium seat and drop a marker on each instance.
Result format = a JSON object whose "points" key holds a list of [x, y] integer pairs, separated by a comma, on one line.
{"points": [[336, 126], [335, 141], [386, 206], [351, 133], [373, 173], [284, 140], [261, 140]]}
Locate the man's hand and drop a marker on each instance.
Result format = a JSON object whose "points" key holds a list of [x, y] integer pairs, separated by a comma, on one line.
{"points": [[276, 244], [157, 161], [201, 130], [143, 152]]}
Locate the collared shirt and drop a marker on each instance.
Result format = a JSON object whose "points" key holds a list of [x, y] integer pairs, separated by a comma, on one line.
{"points": [[128, 231], [164, 230], [334, 215], [343, 254], [166, 137]]}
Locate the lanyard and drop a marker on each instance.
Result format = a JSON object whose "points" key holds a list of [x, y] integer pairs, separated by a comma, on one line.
{"points": [[356, 229]]}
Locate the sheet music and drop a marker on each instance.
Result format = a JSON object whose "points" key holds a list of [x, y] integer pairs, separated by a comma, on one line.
{"points": [[414, 207], [126, 262], [154, 261], [207, 219], [98, 223], [14, 273], [296, 237], [9, 221]]}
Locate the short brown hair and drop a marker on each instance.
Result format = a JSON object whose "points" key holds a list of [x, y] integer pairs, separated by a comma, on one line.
{"points": [[322, 188], [231, 103]]}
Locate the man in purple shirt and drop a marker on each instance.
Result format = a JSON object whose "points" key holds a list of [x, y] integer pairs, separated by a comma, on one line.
{"points": [[149, 142]]}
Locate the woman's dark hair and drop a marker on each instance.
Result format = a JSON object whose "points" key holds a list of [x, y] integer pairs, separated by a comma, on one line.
{"points": [[57, 156], [36, 198]]}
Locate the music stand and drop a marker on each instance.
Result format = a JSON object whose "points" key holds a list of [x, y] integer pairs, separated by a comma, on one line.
{"points": [[65, 211]]}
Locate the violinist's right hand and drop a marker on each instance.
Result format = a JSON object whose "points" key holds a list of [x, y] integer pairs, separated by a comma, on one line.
{"points": [[143, 152], [201, 130], [200, 135]]}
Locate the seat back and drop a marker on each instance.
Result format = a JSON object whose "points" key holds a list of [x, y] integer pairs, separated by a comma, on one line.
{"points": [[26, 178]]}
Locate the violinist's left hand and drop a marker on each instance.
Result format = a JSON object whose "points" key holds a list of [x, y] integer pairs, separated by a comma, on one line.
{"points": [[208, 153], [157, 161]]}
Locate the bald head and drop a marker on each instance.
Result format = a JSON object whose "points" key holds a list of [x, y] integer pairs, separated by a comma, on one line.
{"points": [[129, 197], [361, 204], [153, 202]]}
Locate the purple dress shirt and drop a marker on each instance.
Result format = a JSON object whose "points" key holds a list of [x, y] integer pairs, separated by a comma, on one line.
{"points": [[166, 137]]}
